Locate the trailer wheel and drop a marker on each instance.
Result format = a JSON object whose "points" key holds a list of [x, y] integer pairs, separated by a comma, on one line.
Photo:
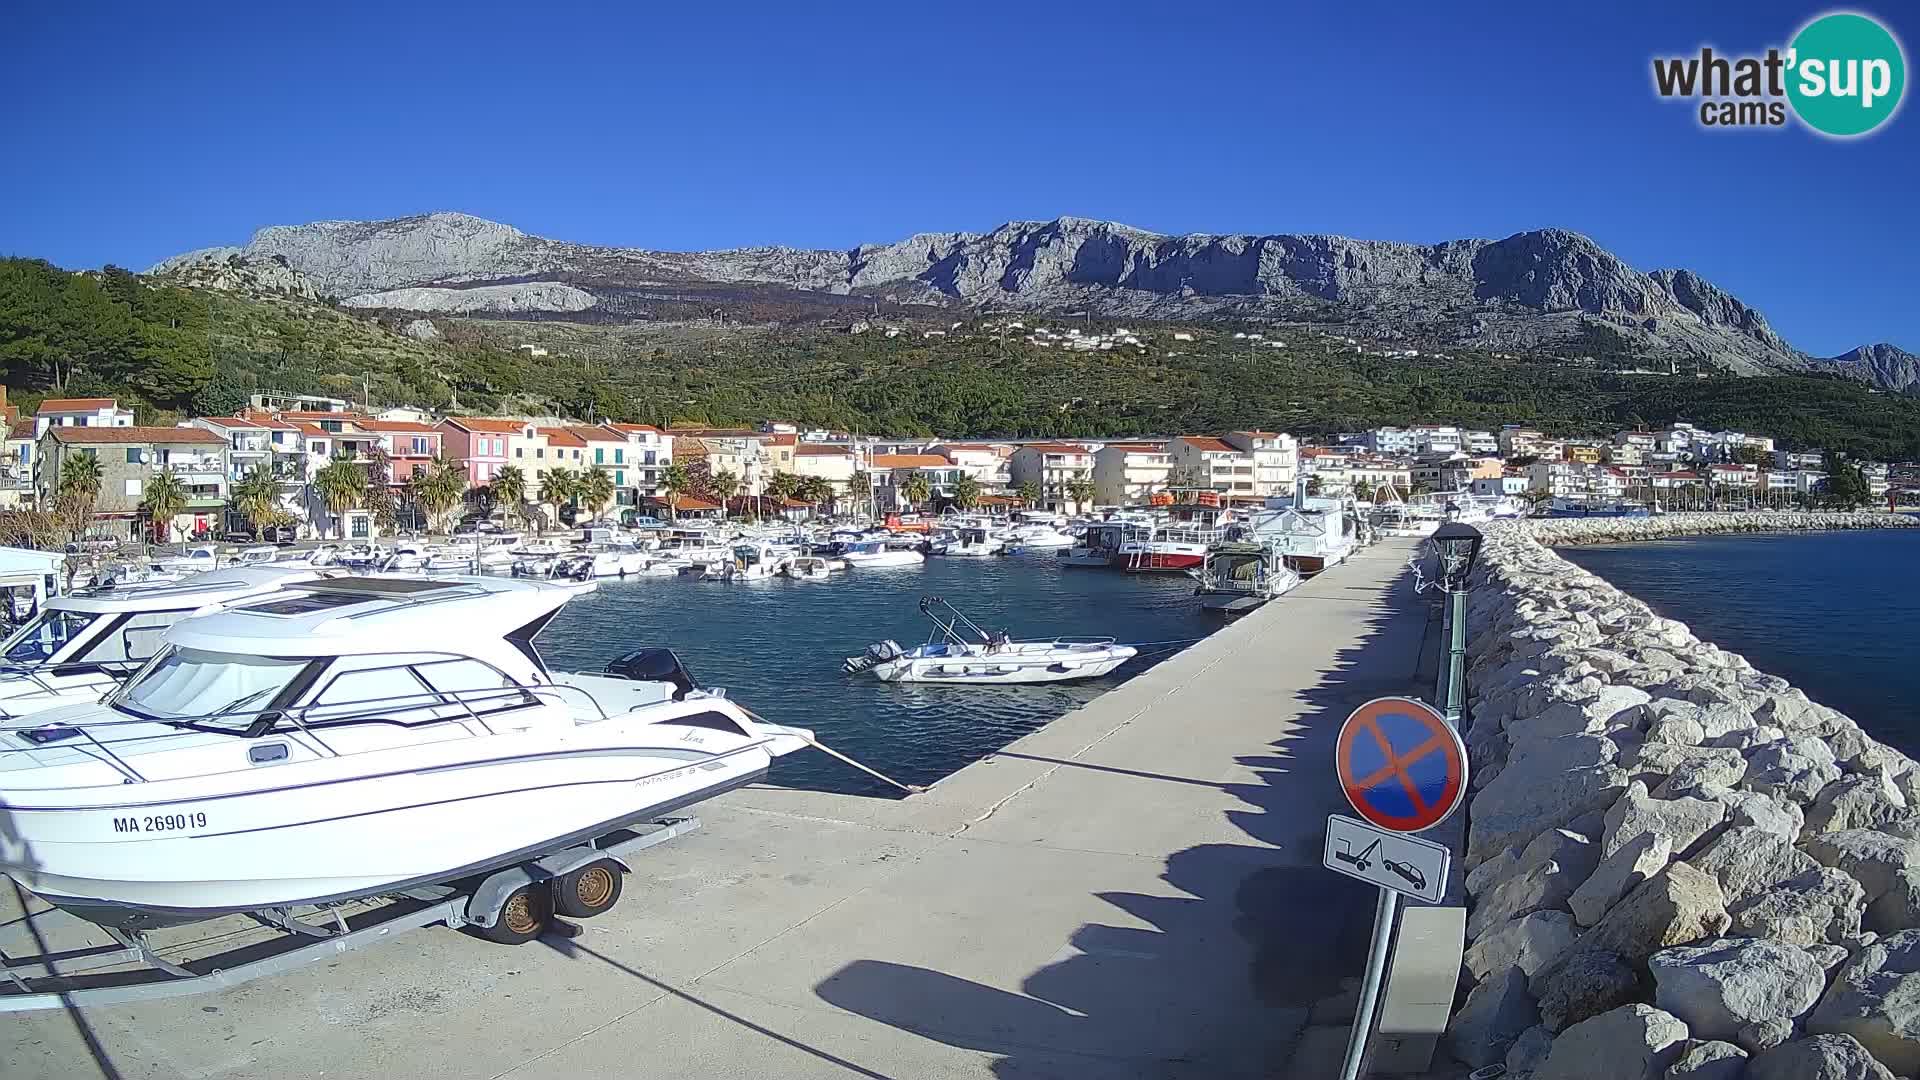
{"points": [[526, 913], [588, 891]]}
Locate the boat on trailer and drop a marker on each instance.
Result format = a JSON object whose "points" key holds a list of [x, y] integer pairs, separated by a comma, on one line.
{"points": [[995, 658], [353, 738]]}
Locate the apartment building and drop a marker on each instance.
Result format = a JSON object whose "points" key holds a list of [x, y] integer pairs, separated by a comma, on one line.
{"points": [[1051, 465], [985, 462], [1516, 441], [1438, 439], [1202, 461], [1130, 474], [639, 463], [1276, 459], [833, 462], [890, 474], [80, 412], [1390, 440], [128, 457], [1480, 443], [410, 445], [1499, 486], [1807, 459], [479, 443]]}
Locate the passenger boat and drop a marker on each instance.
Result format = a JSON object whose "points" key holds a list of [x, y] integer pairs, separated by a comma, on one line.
{"points": [[1100, 544], [1310, 537], [1239, 577], [352, 738], [948, 657], [81, 645]]}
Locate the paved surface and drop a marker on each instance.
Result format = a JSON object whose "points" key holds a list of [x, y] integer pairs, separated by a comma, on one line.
{"points": [[1132, 891]]}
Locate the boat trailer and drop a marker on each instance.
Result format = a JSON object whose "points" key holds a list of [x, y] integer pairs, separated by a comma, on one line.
{"points": [[35, 982]]}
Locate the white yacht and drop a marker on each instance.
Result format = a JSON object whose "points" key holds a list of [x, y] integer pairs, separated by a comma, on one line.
{"points": [[1039, 537], [81, 645], [750, 562], [350, 738], [863, 554], [995, 658], [974, 541]]}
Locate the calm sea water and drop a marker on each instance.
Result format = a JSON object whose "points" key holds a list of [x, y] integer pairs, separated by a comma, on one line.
{"points": [[1836, 613], [777, 647]]}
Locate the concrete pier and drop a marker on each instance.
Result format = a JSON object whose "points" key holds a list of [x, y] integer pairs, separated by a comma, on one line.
{"points": [[1132, 891]]}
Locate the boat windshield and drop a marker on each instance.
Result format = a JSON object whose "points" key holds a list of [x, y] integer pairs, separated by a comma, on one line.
{"points": [[46, 635], [223, 690]]}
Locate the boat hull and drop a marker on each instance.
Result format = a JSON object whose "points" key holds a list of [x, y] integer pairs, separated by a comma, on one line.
{"points": [[1005, 668]]}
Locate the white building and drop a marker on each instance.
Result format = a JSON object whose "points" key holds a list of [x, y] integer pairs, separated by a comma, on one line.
{"points": [[80, 412], [1276, 459], [1051, 465], [1438, 439], [1390, 440], [1500, 486], [1130, 474], [1202, 461]]}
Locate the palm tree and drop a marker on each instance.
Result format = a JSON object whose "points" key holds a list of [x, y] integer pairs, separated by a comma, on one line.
{"points": [[510, 490], [342, 483], [1081, 490], [165, 496], [558, 487], [676, 483], [596, 487], [79, 489], [1363, 491], [815, 490], [437, 489], [966, 491], [860, 488], [256, 496], [1030, 493], [916, 490], [725, 485]]}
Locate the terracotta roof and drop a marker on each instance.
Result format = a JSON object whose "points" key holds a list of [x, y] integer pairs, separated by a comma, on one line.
{"points": [[21, 429], [1055, 448], [822, 450], [689, 502], [779, 438], [231, 421], [1138, 447], [715, 433], [297, 414], [489, 424], [560, 436], [314, 430], [594, 434], [1205, 442], [397, 426], [634, 427], [77, 404], [81, 436], [909, 461]]}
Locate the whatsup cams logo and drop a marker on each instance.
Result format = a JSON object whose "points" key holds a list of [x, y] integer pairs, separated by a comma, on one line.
{"points": [[1842, 75]]}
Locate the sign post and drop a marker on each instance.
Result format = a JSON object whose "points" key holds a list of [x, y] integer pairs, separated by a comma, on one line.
{"points": [[1404, 770]]}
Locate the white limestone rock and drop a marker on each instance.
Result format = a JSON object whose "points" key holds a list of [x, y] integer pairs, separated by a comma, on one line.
{"points": [[1748, 861], [1584, 984], [1822, 1057], [1529, 943], [1683, 821], [1820, 905], [1874, 859], [1528, 1053], [1713, 1060], [1619, 874], [1876, 999], [1720, 986], [1632, 1042], [1493, 1016], [1855, 802]]}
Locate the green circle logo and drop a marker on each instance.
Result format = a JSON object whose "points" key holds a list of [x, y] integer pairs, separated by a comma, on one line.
{"points": [[1846, 74]]}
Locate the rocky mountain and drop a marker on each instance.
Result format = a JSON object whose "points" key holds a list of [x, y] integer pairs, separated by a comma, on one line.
{"points": [[233, 270], [1883, 365], [1532, 289]]}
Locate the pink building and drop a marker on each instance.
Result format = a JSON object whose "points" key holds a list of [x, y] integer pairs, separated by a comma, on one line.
{"points": [[410, 447], [481, 442]]}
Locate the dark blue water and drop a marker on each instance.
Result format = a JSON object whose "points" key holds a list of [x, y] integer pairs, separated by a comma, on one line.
{"points": [[777, 647], [1836, 614]]}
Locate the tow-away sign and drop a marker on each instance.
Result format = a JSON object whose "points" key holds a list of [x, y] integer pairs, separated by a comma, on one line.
{"points": [[1406, 864]]}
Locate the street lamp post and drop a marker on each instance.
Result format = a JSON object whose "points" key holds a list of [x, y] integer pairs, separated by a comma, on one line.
{"points": [[1458, 548]]}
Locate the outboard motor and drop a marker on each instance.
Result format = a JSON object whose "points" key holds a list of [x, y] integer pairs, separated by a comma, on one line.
{"points": [[655, 665], [877, 653]]}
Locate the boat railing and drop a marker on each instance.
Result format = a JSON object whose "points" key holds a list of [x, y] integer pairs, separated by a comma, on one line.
{"points": [[118, 669]]}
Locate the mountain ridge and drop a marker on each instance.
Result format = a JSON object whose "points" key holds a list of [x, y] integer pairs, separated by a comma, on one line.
{"points": [[1542, 288]]}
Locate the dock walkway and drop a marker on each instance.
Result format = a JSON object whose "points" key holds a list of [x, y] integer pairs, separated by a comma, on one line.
{"points": [[1132, 891]]}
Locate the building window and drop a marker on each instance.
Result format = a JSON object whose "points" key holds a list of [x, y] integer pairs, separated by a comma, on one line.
{"points": [[359, 527], [136, 455], [539, 452], [619, 456], [599, 455], [519, 451], [619, 478], [132, 489]]}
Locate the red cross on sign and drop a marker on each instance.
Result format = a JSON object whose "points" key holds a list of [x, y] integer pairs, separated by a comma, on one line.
{"points": [[1401, 764]]}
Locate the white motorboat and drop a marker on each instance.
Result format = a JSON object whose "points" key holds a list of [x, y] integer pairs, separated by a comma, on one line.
{"points": [[191, 561], [1238, 577], [750, 562], [973, 542], [81, 645], [948, 657], [1100, 544], [808, 568], [864, 554], [1039, 538], [353, 738]]}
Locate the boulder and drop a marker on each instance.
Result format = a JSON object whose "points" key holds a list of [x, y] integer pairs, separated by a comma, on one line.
{"points": [[1873, 859], [1876, 999], [1719, 987], [1677, 728], [1820, 905], [1744, 739], [1528, 798], [1530, 943], [1822, 1057], [1749, 861], [1706, 777], [1764, 1035], [1585, 984], [1613, 707], [1619, 874], [1827, 956], [1632, 1042], [1653, 763], [1683, 822], [1708, 1061], [1562, 752], [1571, 849], [1719, 720], [1782, 817], [1493, 1016], [1493, 871], [1898, 908], [1545, 887], [1796, 767], [1677, 906], [1855, 802], [1529, 1051]]}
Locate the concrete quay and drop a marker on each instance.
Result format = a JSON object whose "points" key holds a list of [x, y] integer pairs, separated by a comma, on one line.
{"points": [[1134, 890]]}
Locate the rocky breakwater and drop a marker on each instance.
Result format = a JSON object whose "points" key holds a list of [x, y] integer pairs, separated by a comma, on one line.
{"points": [[1569, 532], [1678, 866]]}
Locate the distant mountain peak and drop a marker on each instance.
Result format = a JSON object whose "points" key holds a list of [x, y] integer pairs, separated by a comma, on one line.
{"points": [[1883, 365]]}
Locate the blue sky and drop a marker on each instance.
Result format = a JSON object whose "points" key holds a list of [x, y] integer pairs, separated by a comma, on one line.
{"points": [[136, 131]]}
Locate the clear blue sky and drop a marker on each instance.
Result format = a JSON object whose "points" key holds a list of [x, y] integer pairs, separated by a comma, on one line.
{"points": [[135, 131]]}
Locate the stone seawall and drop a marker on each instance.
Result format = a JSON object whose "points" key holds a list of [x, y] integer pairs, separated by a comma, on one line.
{"points": [[1568, 532], [1678, 866]]}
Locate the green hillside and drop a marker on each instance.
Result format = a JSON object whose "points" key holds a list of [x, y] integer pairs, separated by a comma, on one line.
{"points": [[176, 351]]}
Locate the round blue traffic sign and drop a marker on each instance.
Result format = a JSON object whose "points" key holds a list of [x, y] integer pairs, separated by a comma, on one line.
{"points": [[1402, 766]]}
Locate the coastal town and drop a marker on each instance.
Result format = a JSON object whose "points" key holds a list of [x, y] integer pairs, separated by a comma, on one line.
{"points": [[287, 461]]}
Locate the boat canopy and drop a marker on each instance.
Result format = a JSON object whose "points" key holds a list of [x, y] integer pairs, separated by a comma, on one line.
{"points": [[351, 616]]}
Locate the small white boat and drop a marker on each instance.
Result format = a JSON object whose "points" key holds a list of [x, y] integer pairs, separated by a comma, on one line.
{"points": [[191, 561], [1039, 538], [863, 554], [973, 542], [1239, 577], [948, 657], [808, 568]]}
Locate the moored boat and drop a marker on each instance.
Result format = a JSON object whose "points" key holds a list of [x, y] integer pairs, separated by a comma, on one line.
{"points": [[994, 659]]}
